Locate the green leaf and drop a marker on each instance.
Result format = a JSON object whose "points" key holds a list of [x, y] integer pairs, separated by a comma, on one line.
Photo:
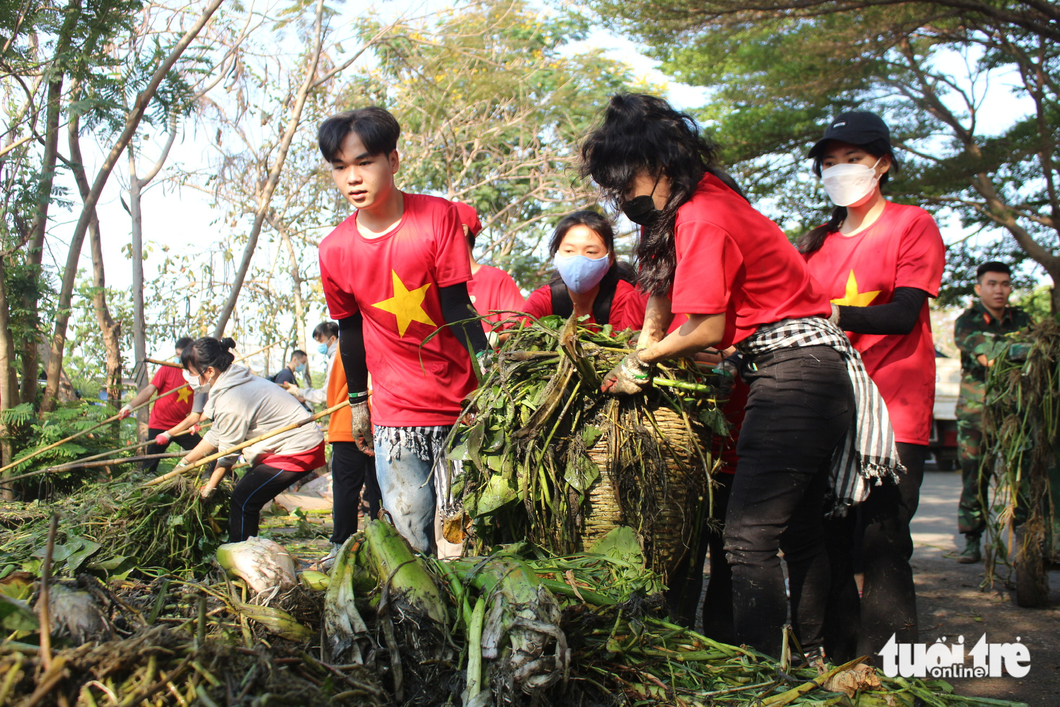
{"points": [[498, 492], [590, 434], [16, 615], [581, 473]]}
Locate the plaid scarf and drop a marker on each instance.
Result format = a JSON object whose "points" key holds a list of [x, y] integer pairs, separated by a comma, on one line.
{"points": [[868, 453]]}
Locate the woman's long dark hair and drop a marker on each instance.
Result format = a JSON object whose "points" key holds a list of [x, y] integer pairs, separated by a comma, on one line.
{"points": [[644, 134], [812, 241], [208, 352]]}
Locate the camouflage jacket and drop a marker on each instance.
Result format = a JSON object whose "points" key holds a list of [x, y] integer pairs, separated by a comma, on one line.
{"points": [[976, 332]]}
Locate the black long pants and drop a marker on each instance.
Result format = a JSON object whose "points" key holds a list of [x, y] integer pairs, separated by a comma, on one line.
{"points": [[799, 409], [686, 581], [350, 470], [258, 486], [187, 442], [888, 602]]}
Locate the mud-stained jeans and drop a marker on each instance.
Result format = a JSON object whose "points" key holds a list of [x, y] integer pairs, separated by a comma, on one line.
{"points": [[404, 460], [799, 409]]}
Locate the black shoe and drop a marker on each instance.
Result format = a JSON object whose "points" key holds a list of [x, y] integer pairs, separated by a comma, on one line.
{"points": [[971, 552]]}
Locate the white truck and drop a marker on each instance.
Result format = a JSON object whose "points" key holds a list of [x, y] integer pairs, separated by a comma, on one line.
{"points": [[943, 442]]}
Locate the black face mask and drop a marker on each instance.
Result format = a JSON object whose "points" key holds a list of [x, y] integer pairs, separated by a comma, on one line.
{"points": [[641, 210]]}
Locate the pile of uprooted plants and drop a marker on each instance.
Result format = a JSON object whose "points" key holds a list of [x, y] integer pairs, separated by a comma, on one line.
{"points": [[574, 505], [389, 627]]}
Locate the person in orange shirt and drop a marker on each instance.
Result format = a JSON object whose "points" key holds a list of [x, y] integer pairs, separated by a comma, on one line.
{"points": [[351, 469]]}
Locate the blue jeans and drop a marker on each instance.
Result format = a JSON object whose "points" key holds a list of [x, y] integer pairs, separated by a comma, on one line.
{"points": [[404, 460]]}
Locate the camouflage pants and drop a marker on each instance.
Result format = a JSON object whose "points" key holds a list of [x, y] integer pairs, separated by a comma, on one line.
{"points": [[972, 510]]}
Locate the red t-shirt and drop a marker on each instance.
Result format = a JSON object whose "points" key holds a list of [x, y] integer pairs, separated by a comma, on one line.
{"points": [[733, 260], [393, 282], [627, 306], [903, 248], [493, 289], [171, 410]]}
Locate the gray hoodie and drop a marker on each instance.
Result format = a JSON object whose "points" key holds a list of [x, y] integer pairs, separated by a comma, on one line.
{"points": [[244, 406]]}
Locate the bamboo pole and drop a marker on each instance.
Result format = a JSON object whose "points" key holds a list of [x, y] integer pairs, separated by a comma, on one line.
{"points": [[155, 361], [94, 464], [82, 433], [213, 457], [114, 418]]}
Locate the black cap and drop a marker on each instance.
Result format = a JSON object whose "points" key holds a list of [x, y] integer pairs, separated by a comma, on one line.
{"points": [[857, 127]]}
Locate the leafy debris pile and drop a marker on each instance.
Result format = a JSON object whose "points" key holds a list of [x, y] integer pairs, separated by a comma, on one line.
{"points": [[546, 457]]}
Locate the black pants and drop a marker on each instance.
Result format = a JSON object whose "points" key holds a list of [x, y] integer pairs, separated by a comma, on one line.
{"points": [[888, 601], [187, 442], [258, 486], [350, 470], [799, 409]]}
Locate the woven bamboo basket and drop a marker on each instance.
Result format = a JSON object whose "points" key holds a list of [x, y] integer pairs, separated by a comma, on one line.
{"points": [[665, 509]]}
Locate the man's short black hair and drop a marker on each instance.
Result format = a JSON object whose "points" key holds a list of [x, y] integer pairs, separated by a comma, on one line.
{"points": [[298, 353], [183, 342], [992, 266], [326, 330], [377, 128]]}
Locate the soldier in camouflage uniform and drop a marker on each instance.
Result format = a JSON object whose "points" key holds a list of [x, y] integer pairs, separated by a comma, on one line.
{"points": [[975, 333]]}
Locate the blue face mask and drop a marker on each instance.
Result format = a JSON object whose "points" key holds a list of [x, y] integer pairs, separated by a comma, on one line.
{"points": [[322, 348], [299, 368], [581, 274]]}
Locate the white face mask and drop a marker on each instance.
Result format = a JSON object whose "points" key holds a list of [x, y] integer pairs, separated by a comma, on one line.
{"points": [[195, 382], [848, 184]]}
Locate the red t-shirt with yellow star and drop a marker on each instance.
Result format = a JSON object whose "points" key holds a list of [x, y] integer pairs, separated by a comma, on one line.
{"points": [[902, 248], [171, 410], [732, 260], [393, 282]]}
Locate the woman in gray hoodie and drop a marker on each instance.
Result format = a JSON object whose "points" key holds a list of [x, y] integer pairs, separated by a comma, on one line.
{"points": [[244, 406]]}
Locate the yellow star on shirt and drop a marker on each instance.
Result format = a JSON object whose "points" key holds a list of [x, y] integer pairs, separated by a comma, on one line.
{"points": [[854, 298], [184, 395], [406, 305]]}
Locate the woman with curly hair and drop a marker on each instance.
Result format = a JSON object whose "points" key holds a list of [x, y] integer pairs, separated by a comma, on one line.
{"points": [[705, 252]]}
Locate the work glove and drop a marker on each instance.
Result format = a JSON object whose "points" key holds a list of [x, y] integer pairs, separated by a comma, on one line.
{"points": [[361, 423], [162, 439], [124, 412], [629, 377], [195, 429], [1019, 351]]}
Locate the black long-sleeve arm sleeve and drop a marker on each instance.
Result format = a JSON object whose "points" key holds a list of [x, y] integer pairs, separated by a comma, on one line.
{"points": [[896, 317], [351, 348], [458, 312]]}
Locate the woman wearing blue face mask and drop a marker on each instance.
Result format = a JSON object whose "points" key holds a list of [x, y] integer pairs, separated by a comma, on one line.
{"points": [[588, 280]]}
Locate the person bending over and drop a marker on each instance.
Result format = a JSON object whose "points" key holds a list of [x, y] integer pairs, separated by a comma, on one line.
{"points": [[244, 406], [705, 252]]}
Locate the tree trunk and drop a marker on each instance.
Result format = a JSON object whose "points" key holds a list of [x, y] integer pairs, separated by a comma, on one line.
{"points": [[9, 395], [109, 329], [35, 247], [132, 122], [296, 279], [136, 187], [274, 176]]}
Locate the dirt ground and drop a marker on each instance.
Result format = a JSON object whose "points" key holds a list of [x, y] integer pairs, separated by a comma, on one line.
{"points": [[951, 603]]}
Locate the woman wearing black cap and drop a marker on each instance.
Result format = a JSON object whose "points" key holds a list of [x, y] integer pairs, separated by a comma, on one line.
{"points": [[879, 262], [705, 252]]}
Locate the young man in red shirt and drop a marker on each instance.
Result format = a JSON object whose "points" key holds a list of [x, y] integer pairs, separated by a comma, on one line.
{"points": [[395, 273], [493, 291]]}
